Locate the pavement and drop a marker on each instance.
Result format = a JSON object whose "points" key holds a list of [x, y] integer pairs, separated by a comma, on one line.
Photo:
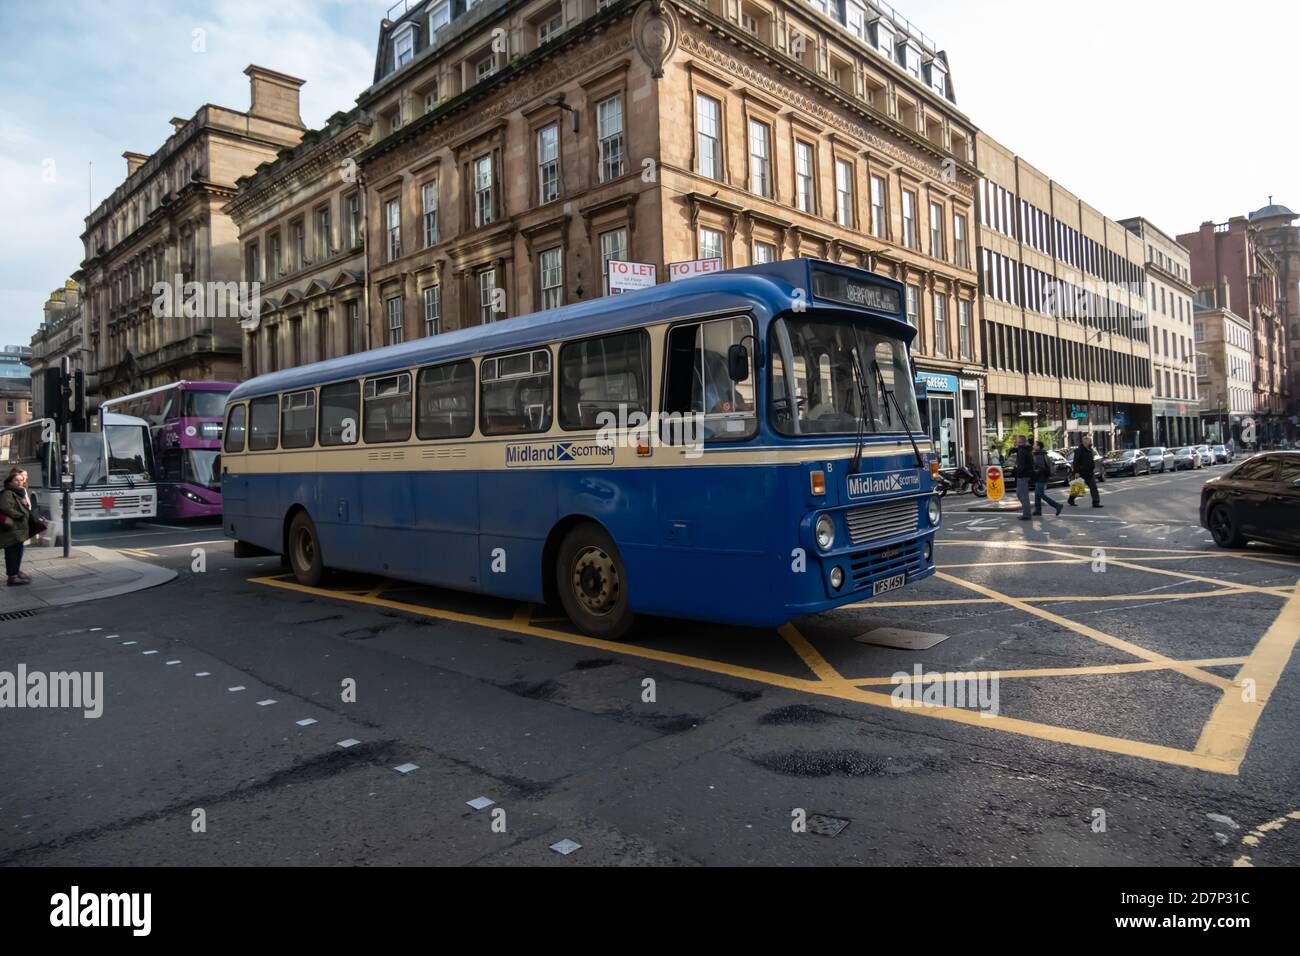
{"points": [[88, 574], [250, 721]]}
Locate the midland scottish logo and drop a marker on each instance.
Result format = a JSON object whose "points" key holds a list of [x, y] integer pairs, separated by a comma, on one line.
{"points": [[889, 483], [559, 453]]}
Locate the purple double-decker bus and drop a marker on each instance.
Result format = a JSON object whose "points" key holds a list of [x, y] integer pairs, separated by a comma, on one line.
{"points": [[185, 422]]}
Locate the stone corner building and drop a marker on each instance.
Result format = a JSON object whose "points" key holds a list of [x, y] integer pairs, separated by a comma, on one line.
{"points": [[520, 147], [301, 231], [166, 220]]}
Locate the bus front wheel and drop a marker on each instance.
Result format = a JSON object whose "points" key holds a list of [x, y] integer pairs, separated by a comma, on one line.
{"points": [[592, 583], [304, 550]]}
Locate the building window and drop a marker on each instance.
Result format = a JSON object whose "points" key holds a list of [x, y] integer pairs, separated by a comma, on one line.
{"points": [[936, 231], [253, 262], [432, 97], [708, 123], [394, 307], [760, 172], [879, 212], [429, 199], [609, 122], [711, 244], [403, 48], [914, 306], [439, 17], [432, 310], [613, 247], [963, 330], [274, 262], [487, 287], [485, 67], [393, 219], [804, 184], [548, 163], [764, 252], [354, 221], [551, 269], [843, 192], [960, 248], [322, 233], [909, 219], [483, 190], [550, 28]]}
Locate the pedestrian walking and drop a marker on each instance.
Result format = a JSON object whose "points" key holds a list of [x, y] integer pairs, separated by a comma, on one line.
{"points": [[1085, 466], [1024, 463], [1042, 475], [15, 525]]}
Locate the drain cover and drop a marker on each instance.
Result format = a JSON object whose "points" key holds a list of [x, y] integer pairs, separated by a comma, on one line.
{"points": [[15, 615], [901, 639], [822, 825]]}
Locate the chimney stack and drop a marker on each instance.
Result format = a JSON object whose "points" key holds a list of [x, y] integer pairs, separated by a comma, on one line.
{"points": [[134, 161], [274, 96]]}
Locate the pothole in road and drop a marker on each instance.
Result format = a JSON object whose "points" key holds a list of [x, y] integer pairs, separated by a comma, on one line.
{"points": [[823, 763], [796, 714]]}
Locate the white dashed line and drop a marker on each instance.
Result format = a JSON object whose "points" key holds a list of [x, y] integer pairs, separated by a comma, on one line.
{"points": [[406, 768], [235, 690], [203, 674], [170, 663], [147, 653], [306, 722], [350, 742], [265, 703]]}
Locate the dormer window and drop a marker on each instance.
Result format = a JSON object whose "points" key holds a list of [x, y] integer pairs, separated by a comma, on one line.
{"points": [[403, 46], [936, 77], [439, 17], [855, 19], [909, 57], [882, 38]]}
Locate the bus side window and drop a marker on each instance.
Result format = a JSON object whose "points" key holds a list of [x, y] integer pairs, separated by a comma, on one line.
{"points": [[605, 381], [445, 401], [339, 405], [698, 382], [515, 393], [388, 409], [298, 419], [235, 429], [264, 433]]}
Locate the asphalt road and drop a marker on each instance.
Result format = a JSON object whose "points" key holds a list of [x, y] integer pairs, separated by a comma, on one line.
{"points": [[1119, 737]]}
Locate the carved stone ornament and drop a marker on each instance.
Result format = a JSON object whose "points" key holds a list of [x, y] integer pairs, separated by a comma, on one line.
{"points": [[655, 31]]}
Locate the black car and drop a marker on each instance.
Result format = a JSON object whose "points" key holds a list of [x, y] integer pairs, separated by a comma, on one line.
{"points": [[1259, 500], [1060, 471], [1126, 461]]}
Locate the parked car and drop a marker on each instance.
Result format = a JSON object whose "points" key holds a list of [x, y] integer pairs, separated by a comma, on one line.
{"points": [[1099, 472], [1060, 471], [1126, 461], [1259, 500], [1186, 458], [1160, 458], [1207, 456], [1221, 454]]}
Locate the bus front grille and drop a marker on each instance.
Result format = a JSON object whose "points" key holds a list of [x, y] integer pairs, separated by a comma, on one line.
{"points": [[868, 566], [91, 505], [882, 521]]}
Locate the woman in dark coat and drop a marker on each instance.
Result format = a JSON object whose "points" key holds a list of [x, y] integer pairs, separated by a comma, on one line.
{"points": [[15, 525]]}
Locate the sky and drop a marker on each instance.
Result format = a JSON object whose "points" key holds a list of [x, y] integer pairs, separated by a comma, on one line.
{"points": [[1177, 110]]}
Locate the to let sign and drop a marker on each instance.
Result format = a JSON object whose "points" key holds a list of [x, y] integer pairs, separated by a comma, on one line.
{"points": [[694, 267], [630, 276]]}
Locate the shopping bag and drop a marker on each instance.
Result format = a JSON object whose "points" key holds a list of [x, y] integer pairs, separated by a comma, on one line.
{"points": [[1077, 488]]}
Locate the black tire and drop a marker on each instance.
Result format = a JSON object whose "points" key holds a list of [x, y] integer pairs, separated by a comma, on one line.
{"points": [[592, 583], [303, 549], [1224, 529], [980, 488]]}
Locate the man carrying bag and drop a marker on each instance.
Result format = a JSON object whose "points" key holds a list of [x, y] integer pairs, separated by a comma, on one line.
{"points": [[1085, 466]]}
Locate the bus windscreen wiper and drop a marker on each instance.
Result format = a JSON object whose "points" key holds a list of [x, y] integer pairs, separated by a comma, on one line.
{"points": [[880, 378], [859, 380]]}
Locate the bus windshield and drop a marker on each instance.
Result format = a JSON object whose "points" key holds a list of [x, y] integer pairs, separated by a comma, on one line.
{"points": [[820, 382], [126, 453], [205, 404]]}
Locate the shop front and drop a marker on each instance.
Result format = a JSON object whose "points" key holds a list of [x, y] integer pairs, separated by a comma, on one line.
{"points": [[939, 396]]}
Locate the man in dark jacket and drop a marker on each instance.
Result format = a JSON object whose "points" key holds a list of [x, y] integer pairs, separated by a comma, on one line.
{"points": [[1024, 464], [1085, 466]]}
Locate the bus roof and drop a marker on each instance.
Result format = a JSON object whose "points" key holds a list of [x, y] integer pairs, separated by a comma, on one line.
{"points": [[113, 418], [775, 286]]}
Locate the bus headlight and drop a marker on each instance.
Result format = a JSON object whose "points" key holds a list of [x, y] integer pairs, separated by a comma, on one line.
{"points": [[935, 512], [825, 530]]}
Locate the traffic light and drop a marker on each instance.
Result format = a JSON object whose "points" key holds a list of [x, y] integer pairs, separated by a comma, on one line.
{"points": [[55, 396]]}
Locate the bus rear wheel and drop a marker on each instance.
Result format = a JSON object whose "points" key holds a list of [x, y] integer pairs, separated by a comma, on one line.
{"points": [[592, 583], [304, 550]]}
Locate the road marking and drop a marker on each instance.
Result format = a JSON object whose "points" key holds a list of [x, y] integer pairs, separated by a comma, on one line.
{"points": [[1047, 732], [1083, 629], [809, 654], [1226, 735], [1051, 671]]}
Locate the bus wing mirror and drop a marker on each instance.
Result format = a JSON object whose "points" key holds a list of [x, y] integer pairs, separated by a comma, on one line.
{"points": [[738, 362]]}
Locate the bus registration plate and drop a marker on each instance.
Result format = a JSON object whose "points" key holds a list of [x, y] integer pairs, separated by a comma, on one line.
{"points": [[889, 584]]}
